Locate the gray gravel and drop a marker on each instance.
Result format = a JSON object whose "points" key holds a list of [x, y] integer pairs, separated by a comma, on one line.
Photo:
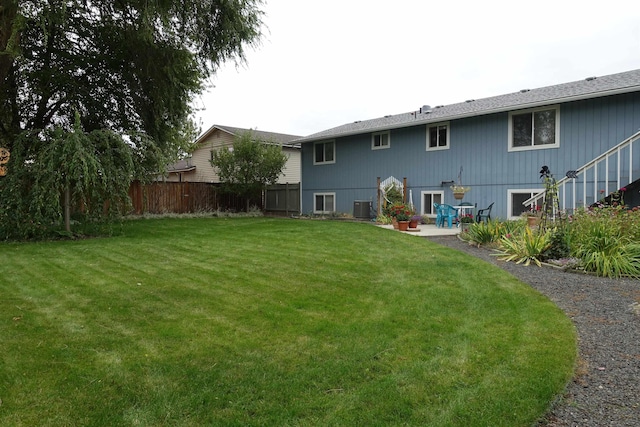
{"points": [[605, 390]]}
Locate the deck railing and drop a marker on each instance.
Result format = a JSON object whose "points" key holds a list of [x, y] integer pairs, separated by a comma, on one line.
{"points": [[601, 176]]}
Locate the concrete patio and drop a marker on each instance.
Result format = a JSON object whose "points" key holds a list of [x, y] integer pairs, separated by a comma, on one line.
{"points": [[425, 230]]}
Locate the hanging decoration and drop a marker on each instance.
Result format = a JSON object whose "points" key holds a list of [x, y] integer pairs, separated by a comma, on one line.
{"points": [[4, 159]]}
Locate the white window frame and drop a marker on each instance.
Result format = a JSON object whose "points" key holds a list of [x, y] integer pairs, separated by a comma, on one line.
{"points": [[531, 191], [437, 125], [324, 195], [382, 145], [534, 147], [422, 206], [331, 141]]}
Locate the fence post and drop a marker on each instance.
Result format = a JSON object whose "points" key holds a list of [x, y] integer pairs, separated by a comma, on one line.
{"points": [[286, 199]]}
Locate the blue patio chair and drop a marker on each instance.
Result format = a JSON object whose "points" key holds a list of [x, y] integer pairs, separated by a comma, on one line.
{"points": [[449, 213], [436, 209], [484, 214]]}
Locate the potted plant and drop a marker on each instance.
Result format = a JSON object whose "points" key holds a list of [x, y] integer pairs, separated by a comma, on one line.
{"points": [[459, 191], [414, 221], [533, 215], [465, 220], [402, 214]]}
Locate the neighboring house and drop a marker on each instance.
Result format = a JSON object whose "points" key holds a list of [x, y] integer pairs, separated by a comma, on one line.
{"points": [[499, 144], [197, 168]]}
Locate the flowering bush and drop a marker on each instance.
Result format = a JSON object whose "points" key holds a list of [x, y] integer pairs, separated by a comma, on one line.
{"points": [[467, 218], [614, 199], [401, 211]]}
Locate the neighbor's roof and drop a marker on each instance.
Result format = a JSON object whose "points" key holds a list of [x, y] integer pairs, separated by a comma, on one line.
{"points": [[181, 166], [270, 137], [591, 87]]}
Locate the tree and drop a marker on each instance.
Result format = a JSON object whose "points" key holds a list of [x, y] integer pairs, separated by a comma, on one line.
{"points": [[249, 167], [125, 67]]}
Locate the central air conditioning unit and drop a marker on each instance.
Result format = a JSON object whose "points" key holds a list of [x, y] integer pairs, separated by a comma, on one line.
{"points": [[362, 209]]}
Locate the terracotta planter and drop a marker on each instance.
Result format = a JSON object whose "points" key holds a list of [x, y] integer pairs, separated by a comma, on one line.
{"points": [[394, 222], [413, 223], [533, 221], [403, 225]]}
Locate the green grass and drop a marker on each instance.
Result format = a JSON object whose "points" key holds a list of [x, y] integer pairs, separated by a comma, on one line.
{"points": [[237, 322]]}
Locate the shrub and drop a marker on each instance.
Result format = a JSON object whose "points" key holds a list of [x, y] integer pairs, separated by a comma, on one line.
{"points": [[525, 247], [605, 239], [383, 219], [559, 248], [482, 233]]}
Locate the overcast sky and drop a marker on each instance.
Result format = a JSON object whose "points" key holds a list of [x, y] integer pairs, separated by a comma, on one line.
{"points": [[325, 63]]}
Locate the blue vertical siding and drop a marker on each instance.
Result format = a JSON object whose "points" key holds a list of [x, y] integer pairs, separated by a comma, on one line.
{"points": [[480, 146]]}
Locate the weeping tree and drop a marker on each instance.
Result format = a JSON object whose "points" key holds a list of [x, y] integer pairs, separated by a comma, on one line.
{"points": [[248, 168], [96, 93]]}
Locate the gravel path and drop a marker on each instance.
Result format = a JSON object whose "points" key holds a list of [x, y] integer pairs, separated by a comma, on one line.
{"points": [[606, 312]]}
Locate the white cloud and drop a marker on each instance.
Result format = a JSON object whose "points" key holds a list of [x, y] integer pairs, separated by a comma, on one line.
{"points": [[326, 63]]}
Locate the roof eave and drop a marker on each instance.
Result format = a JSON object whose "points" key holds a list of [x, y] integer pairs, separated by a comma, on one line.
{"points": [[418, 122]]}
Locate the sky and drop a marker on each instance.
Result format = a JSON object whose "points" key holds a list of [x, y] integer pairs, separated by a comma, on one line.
{"points": [[322, 64]]}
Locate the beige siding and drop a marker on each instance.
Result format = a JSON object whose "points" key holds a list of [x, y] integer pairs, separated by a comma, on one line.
{"points": [[204, 172], [292, 170], [202, 156]]}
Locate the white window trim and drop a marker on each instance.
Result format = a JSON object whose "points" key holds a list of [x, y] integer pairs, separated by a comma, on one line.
{"points": [[422, 194], [381, 147], [334, 152], [510, 192], [510, 146], [431, 125], [315, 210]]}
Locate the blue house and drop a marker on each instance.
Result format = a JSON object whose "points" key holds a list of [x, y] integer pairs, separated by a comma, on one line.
{"points": [[496, 146]]}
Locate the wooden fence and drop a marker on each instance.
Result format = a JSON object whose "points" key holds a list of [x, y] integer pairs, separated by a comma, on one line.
{"points": [[282, 199], [181, 197], [191, 197]]}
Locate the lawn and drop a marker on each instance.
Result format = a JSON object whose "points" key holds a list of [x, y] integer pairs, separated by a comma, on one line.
{"points": [[238, 322]]}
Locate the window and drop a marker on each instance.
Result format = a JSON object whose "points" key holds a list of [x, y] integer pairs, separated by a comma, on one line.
{"points": [[324, 202], [438, 136], [515, 200], [428, 199], [324, 152], [534, 129], [380, 140]]}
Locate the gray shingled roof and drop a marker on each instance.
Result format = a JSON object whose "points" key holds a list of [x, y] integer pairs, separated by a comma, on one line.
{"points": [[278, 138], [592, 87]]}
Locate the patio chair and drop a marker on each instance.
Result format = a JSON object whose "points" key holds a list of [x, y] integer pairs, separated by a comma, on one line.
{"points": [[436, 208], [449, 213], [484, 214]]}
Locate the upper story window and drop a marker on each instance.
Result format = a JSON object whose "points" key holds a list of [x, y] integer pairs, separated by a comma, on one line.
{"points": [[534, 129], [438, 136], [324, 152], [380, 140]]}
